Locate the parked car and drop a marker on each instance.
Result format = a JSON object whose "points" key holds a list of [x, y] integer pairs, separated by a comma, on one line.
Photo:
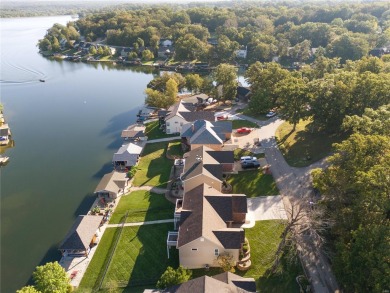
{"points": [[244, 130], [222, 117], [248, 159], [270, 114], [251, 164]]}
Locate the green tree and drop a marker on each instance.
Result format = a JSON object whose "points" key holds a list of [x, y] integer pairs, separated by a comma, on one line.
{"points": [[55, 45], [50, 278], [189, 47], [147, 55], [92, 50], [28, 289], [44, 44], [132, 55], [348, 47], [225, 49], [323, 65], [173, 277], [171, 90], [371, 122], [263, 79], [225, 75], [156, 99], [194, 82], [100, 50], [293, 99]]}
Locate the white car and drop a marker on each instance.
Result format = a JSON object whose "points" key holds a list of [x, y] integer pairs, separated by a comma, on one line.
{"points": [[270, 114], [247, 159]]}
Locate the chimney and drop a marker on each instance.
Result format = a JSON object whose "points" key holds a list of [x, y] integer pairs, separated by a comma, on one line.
{"points": [[193, 127]]}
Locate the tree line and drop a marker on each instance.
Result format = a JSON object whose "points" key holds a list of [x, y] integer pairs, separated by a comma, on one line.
{"points": [[347, 31]]}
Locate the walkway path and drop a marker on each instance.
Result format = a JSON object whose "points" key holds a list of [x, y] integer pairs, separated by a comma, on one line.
{"points": [[154, 189], [163, 139], [140, 223], [295, 184]]}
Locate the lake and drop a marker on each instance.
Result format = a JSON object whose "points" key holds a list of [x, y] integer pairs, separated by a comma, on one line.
{"points": [[65, 131]]}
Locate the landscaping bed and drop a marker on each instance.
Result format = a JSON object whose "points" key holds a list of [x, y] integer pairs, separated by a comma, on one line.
{"points": [[238, 153], [253, 183], [154, 167], [303, 147], [142, 206]]}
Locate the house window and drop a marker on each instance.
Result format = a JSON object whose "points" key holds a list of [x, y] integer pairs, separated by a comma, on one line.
{"points": [[168, 130], [167, 124], [194, 249], [176, 122], [216, 252], [181, 123]]}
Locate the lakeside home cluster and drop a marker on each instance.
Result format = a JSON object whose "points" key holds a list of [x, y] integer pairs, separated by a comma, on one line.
{"points": [[205, 216]]}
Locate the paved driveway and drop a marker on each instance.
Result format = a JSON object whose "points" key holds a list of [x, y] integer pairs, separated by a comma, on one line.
{"points": [[264, 208]]}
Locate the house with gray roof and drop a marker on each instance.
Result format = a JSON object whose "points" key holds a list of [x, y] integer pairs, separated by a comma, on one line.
{"points": [[81, 237], [208, 226], [205, 165], [134, 132], [181, 113], [128, 155], [205, 133], [111, 186], [225, 282]]}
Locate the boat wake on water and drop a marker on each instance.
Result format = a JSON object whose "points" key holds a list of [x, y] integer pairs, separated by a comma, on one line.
{"points": [[17, 74]]}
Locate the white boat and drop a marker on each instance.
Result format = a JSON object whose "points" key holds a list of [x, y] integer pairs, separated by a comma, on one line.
{"points": [[3, 160]]}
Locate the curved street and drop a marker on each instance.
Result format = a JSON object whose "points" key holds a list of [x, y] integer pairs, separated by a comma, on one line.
{"points": [[295, 186]]}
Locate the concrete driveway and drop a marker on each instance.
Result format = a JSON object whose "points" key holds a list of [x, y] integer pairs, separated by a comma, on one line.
{"points": [[265, 208]]}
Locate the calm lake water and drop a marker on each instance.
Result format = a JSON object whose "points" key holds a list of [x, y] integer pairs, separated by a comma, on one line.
{"points": [[66, 131]]}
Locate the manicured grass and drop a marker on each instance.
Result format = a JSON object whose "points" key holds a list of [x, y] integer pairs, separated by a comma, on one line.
{"points": [[238, 153], [94, 271], [175, 149], [302, 147], [264, 239], [154, 167], [243, 123], [258, 116], [141, 256], [142, 206], [253, 183], [153, 131]]}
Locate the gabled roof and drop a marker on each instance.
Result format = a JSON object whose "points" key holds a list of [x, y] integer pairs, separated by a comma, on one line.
{"points": [[80, 235], [188, 112], [112, 182], [206, 132], [199, 218], [243, 91], [225, 282], [222, 157], [230, 238], [134, 130], [228, 204], [128, 152]]}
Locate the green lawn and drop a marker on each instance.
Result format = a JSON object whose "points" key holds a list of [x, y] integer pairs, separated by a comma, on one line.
{"points": [[141, 256], [302, 147], [142, 206], [238, 153], [253, 183], [264, 239], [243, 123], [94, 271], [154, 167], [154, 132], [175, 149]]}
